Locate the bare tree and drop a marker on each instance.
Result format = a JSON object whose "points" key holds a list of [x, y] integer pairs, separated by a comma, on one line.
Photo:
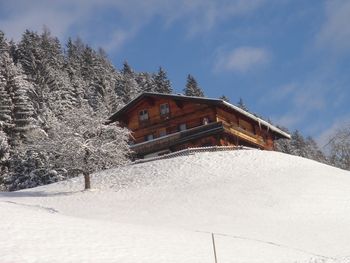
{"points": [[81, 143]]}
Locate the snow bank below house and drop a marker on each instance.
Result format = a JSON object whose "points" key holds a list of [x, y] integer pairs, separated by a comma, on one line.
{"points": [[262, 206]]}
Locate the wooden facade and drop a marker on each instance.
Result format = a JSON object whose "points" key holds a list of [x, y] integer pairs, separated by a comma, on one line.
{"points": [[162, 123]]}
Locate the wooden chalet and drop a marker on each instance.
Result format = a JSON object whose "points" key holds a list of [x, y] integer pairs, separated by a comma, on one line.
{"points": [[163, 123]]}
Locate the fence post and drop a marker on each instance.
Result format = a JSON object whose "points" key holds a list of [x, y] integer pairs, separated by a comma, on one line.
{"points": [[212, 238]]}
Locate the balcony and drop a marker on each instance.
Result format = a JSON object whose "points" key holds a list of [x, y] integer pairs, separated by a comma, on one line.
{"points": [[244, 134], [177, 138]]}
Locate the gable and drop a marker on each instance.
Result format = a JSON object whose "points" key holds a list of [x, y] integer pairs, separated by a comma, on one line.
{"points": [[179, 112]]}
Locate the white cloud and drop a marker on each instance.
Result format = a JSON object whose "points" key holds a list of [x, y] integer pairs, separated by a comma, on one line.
{"points": [[335, 32], [279, 94], [66, 16], [241, 59], [117, 39], [290, 119], [311, 104], [17, 21]]}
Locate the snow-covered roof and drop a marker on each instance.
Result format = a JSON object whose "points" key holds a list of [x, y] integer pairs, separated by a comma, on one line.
{"points": [[117, 115], [259, 120]]}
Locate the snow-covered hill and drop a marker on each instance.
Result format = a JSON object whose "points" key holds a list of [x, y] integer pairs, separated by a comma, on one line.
{"points": [[262, 207]]}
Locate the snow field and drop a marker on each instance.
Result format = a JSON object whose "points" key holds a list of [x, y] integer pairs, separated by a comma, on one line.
{"points": [[263, 207]]}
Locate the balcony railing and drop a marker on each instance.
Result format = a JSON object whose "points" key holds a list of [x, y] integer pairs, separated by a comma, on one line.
{"points": [[176, 138]]}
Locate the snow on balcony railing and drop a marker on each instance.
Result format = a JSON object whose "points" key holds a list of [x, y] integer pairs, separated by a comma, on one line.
{"points": [[190, 151]]}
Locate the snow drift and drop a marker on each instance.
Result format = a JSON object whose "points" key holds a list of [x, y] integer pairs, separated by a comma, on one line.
{"points": [[261, 206]]}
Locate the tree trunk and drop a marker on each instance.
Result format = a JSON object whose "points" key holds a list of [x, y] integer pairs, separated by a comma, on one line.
{"points": [[87, 180], [86, 174]]}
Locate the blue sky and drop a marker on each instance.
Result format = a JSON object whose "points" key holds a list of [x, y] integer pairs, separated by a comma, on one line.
{"points": [[288, 59]]}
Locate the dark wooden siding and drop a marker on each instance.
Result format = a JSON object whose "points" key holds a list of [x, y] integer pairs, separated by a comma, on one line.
{"points": [[180, 113], [237, 128]]}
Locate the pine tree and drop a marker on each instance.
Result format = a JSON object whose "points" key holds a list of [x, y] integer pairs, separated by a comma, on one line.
{"points": [[242, 105], [74, 51], [22, 110], [30, 56], [5, 107], [4, 158], [161, 82], [3, 44], [4, 147], [16, 99], [127, 70], [298, 144], [224, 98], [28, 169], [42, 60], [51, 51], [126, 86], [192, 88], [146, 82]]}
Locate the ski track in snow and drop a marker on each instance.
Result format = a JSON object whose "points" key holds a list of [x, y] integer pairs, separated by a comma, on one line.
{"points": [[269, 243], [48, 209], [262, 206]]}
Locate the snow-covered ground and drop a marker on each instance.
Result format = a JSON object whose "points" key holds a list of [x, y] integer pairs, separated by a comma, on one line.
{"points": [[261, 206]]}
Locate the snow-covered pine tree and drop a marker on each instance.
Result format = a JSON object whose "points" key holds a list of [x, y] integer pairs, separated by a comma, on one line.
{"points": [[29, 55], [225, 98], [127, 70], [111, 100], [73, 59], [28, 169], [146, 82], [242, 105], [42, 60], [192, 88], [161, 82], [22, 110], [299, 146], [126, 86], [5, 107], [4, 158], [283, 145], [4, 147], [3, 44], [17, 98]]}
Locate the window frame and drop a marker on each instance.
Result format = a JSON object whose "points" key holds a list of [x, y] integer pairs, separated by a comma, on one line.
{"points": [[142, 113], [167, 113], [149, 137], [162, 133], [182, 125]]}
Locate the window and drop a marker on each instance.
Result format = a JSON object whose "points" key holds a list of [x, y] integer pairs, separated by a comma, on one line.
{"points": [[149, 137], [205, 121], [182, 127], [164, 109], [162, 133], [143, 115]]}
